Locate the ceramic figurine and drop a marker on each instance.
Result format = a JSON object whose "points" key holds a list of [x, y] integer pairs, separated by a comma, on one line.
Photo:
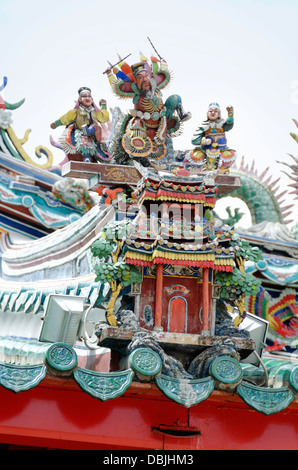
{"points": [[74, 193], [144, 130], [212, 151], [82, 137]]}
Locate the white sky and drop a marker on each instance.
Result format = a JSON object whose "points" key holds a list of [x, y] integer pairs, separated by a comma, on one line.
{"points": [[235, 52]]}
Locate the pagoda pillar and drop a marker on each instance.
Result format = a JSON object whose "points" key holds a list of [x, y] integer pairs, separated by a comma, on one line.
{"points": [[158, 294], [206, 301]]}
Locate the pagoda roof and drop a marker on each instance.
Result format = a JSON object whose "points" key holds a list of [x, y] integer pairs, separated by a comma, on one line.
{"points": [[27, 362], [182, 254]]}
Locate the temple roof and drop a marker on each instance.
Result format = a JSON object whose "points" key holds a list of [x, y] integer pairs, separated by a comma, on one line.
{"points": [[28, 206]]}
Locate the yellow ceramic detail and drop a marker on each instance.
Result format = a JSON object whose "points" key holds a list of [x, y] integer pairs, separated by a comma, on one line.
{"points": [[18, 143]]}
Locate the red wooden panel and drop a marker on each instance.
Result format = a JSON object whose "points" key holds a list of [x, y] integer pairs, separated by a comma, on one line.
{"points": [[178, 310]]}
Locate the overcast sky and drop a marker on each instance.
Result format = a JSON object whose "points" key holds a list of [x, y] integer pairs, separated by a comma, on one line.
{"points": [[235, 52]]}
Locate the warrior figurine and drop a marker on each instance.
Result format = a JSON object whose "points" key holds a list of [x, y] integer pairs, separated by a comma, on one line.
{"points": [[82, 137], [144, 130], [212, 152]]}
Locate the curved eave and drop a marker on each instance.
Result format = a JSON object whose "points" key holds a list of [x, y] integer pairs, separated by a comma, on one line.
{"points": [[58, 248], [41, 176]]}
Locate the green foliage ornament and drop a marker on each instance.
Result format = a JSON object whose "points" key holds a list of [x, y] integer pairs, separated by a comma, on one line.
{"points": [[116, 231], [244, 250], [120, 271], [235, 287], [111, 268], [102, 248], [236, 284]]}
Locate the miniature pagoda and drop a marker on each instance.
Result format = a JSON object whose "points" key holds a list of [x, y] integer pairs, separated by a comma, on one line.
{"points": [[176, 239]]}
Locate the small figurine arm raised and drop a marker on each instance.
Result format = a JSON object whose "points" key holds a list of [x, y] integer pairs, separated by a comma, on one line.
{"points": [[83, 132], [230, 110], [84, 100], [212, 150]]}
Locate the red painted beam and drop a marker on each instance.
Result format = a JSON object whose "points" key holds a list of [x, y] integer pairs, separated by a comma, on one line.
{"points": [[206, 300], [58, 414], [158, 294]]}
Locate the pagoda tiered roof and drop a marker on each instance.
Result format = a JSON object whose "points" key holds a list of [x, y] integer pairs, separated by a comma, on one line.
{"points": [[177, 189], [177, 242], [165, 252]]}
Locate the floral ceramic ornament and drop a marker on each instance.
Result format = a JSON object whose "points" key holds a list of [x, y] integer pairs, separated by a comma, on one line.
{"points": [[5, 116], [5, 119]]}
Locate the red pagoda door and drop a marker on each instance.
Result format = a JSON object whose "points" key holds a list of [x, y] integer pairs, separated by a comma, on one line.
{"points": [[177, 317]]}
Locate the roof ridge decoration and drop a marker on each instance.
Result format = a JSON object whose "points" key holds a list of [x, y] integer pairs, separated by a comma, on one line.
{"points": [[39, 212], [10, 144], [261, 195], [68, 245], [21, 378], [293, 176], [293, 167], [226, 374], [265, 399], [143, 132]]}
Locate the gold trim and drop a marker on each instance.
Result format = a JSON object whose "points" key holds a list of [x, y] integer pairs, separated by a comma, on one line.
{"points": [[18, 143], [171, 256]]}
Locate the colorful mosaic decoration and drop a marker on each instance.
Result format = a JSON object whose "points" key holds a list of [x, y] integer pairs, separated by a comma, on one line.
{"points": [[12, 144], [143, 132]]}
